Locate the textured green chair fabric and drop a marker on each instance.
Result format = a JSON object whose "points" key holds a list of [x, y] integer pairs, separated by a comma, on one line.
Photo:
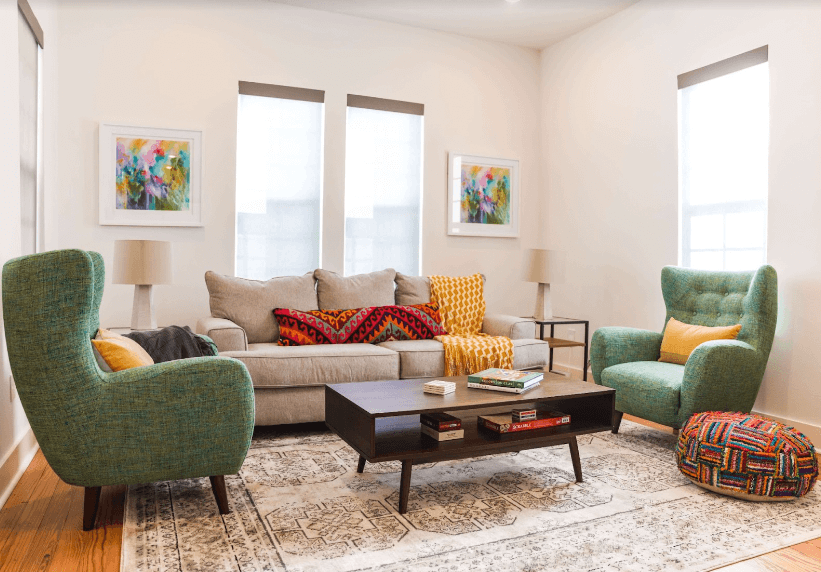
{"points": [[174, 420], [722, 375]]}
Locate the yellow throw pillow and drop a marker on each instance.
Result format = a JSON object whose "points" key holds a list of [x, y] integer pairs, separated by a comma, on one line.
{"points": [[118, 352], [681, 339]]}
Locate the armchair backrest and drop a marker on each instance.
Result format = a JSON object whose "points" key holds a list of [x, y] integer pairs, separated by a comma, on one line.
{"points": [[51, 305], [718, 298]]}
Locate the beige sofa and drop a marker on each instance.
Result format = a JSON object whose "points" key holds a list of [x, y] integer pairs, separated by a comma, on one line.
{"points": [[289, 382]]}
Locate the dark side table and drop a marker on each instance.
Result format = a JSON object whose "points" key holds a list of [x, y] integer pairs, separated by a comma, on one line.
{"points": [[554, 342]]}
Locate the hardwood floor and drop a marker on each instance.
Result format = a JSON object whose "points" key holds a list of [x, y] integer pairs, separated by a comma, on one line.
{"points": [[41, 530]]}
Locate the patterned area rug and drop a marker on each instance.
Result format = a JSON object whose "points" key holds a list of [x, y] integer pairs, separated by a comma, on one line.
{"points": [[299, 505]]}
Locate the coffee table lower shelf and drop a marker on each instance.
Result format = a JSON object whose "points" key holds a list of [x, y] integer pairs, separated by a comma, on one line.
{"points": [[400, 439], [380, 420]]}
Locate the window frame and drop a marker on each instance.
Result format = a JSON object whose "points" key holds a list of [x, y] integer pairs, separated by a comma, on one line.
{"points": [[688, 211]]}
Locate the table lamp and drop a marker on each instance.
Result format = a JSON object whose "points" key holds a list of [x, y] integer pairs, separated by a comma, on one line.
{"points": [[544, 267], [142, 263]]}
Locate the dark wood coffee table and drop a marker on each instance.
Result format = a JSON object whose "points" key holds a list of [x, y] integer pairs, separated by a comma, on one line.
{"points": [[380, 420]]}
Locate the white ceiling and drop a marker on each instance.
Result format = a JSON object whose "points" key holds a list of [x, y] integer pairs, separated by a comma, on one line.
{"points": [[529, 23]]}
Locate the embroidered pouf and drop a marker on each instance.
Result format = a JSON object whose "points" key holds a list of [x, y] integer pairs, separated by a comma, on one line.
{"points": [[746, 456]]}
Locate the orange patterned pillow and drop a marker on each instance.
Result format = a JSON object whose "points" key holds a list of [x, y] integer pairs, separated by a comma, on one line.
{"points": [[359, 325]]}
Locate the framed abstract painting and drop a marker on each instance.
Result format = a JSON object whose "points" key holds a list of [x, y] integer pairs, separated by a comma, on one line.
{"points": [[483, 196], [150, 177]]}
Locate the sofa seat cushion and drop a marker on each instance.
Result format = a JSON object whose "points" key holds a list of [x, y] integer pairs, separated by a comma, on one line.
{"points": [[426, 358], [647, 389], [272, 365]]}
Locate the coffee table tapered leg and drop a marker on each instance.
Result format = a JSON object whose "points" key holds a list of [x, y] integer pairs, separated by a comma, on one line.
{"points": [[574, 455], [404, 486], [361, 466]]}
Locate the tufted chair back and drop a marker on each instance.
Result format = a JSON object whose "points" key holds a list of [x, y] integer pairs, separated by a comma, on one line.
{"points": [[710, 298]]}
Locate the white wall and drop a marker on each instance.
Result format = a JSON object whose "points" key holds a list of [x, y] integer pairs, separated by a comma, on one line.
{"points": [[609, 148], [178, 66], [17, 444]]}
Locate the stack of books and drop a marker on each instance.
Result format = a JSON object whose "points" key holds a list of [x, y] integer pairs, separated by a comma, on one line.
{"points": [[509, 380], [504, 423], [439, 387], [441, 426]]}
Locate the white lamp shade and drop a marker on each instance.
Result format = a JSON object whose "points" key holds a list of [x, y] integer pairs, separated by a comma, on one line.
{"points": [[544, 266], [142, 262]]}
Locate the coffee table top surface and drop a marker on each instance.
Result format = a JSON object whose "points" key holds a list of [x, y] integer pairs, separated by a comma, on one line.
{"points": [[405, 396]]}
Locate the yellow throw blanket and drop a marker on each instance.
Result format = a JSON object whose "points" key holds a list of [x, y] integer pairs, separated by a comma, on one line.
{"points": [[462, 307]]}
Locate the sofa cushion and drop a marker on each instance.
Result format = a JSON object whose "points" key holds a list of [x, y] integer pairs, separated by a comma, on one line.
{"points": [[358, 326], [412, 289], [249, 303], [426, 358], [647, 389], [335, 292], [271, 365]]}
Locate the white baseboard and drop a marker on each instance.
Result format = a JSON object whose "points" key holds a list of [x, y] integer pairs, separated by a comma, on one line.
{"points": [[813, 432], [575, 372], [15, 464]]}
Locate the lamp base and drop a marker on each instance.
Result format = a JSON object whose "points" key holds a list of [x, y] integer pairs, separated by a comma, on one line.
{"points": [[142, 313], [544, 310]]}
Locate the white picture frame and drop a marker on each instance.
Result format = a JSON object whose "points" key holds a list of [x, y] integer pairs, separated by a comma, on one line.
{"points": [[488, 214], [132, 177]]}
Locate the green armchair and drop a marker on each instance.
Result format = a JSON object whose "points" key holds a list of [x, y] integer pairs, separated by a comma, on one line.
{"points": [[722, 375], [174, 420]]}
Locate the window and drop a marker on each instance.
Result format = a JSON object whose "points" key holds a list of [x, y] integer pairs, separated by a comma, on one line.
{"points": [[383, 185], [723, 163], [30, 38], [279, 180]]}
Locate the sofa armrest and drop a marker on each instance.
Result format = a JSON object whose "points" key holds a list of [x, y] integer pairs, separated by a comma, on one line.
{"points": [[511, 327], [228, 336], [613, 345], [722, 375]]}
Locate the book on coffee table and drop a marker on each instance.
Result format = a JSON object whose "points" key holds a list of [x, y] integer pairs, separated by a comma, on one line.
{"points": [[529, 386], [506, 377], [504, 423]]}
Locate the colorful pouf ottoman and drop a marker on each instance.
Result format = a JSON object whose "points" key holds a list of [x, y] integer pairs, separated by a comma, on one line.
{"points": [[746, 456]]}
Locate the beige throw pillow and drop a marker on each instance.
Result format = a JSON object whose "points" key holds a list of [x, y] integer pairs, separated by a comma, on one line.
{"points": [[412, 290], [335, 292], [250, 303]]}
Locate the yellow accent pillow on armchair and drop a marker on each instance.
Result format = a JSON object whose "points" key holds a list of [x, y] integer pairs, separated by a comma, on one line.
{"points": [[681, 339], [116, 353]]}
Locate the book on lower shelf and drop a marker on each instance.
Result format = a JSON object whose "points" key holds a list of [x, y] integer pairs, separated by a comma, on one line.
{"points": [[506, 377], [440, 421], [502, 388], [504, 423], [442, 435]]}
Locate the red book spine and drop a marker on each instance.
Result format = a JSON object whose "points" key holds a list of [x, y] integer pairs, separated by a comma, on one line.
{"points": [[443, 425], [526, 425]]}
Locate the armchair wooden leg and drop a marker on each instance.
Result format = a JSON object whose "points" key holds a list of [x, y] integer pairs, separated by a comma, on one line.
{"points": [[91, 501], [221, 494], [617, 415]]}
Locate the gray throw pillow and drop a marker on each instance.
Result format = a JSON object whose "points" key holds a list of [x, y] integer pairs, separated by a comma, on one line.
{"points": [[412, 290], [250, 303], [335, 292]]}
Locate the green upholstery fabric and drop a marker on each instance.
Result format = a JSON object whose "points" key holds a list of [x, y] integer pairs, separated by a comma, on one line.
{"points": [[647, 389], [180, 419], [722, 375]]}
